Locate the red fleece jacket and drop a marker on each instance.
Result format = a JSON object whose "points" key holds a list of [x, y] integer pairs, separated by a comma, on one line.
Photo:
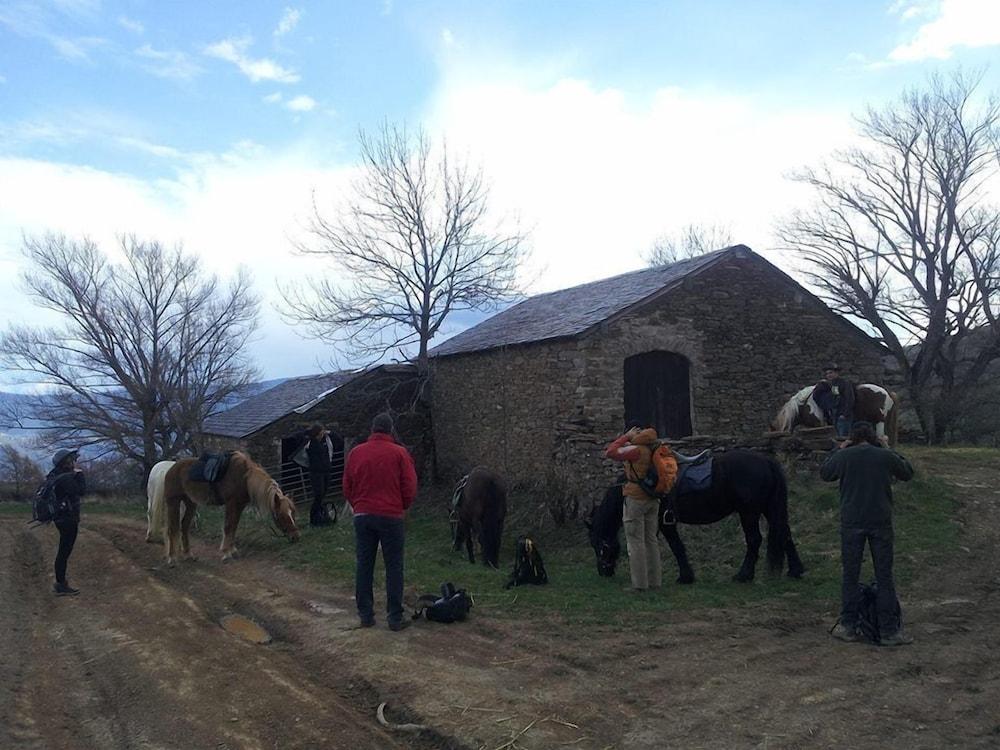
{"points": [[379, 478]]}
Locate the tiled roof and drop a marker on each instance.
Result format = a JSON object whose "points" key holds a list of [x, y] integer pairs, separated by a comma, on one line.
{"points": [[258, 411], [570, 312]]}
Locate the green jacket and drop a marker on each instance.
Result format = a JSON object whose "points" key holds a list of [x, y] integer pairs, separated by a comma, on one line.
{"points": [[865, 472]]}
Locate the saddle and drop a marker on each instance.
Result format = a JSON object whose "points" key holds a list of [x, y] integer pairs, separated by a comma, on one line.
{"points": [[210, 467]]}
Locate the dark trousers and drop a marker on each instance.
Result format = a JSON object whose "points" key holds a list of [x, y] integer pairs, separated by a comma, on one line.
{"points": [[319, 480], [369, 533], [852, 549], [67, 538]]}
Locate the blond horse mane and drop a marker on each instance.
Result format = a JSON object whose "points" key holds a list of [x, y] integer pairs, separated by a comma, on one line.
{"points": [[790, 410], [261, 488]]}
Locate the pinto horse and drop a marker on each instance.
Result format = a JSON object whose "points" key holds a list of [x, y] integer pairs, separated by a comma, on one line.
{"points": [[481, 506], [872, 403], [743, 482], [170, 486]]}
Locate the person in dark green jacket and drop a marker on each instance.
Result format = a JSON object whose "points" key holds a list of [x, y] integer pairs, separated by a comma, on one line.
{"points": [[866, 471]]}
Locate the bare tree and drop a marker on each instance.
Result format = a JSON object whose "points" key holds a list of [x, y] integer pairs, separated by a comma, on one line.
{"points": [[417, 245], [148, 347], [690, 242], [905, 239], [18, 470]]}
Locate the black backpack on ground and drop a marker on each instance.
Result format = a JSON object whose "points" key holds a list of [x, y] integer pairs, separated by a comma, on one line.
{"points": [[452, 606], [45, 505], [868, 624], [528, 565]]}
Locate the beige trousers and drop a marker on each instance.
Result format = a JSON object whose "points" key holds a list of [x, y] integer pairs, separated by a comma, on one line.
{"points": [[641, 520]]}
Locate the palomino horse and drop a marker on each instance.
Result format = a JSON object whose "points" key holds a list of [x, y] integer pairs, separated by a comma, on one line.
{"points": [[872, 403], [479, 514], [743, 482], [243, 482]]}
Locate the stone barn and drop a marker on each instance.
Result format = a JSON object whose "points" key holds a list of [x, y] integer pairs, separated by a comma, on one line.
{"points": [[711, 345], [268, 425]]}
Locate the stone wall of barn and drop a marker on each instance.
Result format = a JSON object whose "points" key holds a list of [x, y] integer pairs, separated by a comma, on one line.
{"points": [[348, 411], [543, 412]]}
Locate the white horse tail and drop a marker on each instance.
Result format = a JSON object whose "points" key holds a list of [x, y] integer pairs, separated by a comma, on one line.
{"points": [[156, 508]]}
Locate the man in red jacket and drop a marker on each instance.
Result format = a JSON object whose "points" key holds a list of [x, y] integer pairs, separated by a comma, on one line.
{"points": [[380, 483]]}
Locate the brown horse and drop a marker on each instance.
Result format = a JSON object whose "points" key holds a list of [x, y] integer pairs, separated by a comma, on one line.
{"points": [[480, 508], [244, 481], [872, 403]]}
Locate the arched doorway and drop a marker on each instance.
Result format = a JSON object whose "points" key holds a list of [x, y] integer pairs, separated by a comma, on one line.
{"points": [[658, 392]]}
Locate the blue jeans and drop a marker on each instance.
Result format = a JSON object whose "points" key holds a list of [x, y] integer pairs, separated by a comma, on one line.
{"points": [[369, 533], [852, 549]]}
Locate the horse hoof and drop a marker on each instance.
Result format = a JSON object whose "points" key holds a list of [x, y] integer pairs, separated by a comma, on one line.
{"points": [[743, 578], [686, 579], [798, 573], [171, 562]]}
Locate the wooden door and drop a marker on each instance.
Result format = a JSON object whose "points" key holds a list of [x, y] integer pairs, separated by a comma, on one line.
{"points": [[658, 392]]}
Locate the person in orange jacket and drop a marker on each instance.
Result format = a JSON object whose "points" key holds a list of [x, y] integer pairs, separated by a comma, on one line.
{"points": [[640, 514]]}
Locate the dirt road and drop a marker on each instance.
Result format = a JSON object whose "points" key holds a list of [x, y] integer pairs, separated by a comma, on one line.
{"points": [[139, 661]]}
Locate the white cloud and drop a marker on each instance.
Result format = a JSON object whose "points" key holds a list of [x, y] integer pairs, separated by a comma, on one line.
{"points": [[242, 207], [598, 175], [168, 63], [301, 103], [956, 23], [34, 21], [447, 38], [129, 24], [288, 21], [273, 98], [261, 69]]}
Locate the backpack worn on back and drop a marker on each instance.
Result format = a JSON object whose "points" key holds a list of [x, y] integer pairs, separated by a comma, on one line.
{"points": [[45, 504], [662, 471], [453, 605], [528, 565]]}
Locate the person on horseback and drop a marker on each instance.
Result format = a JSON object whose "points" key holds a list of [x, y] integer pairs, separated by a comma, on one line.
{"points": [[835, 396], [866, 470], [640, 514]]}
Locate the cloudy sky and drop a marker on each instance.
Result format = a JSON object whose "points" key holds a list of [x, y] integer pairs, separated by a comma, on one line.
{"points": [[600, 124]]}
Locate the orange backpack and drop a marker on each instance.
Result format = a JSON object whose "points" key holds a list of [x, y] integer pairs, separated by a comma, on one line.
{"points": [[662, 471]]}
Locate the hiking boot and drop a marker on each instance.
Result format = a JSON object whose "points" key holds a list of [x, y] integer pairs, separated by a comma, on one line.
{"points": [[395, 627], [895, 639], [367, 624], [844, 632], [64, 589]]}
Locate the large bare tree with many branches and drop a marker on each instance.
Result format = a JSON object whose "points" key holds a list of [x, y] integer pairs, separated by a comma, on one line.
{"points": [[147, 347], [415, 243], [906, 238]]}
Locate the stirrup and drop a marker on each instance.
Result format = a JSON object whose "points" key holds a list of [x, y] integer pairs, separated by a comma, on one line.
{"points": [[669, 518]]}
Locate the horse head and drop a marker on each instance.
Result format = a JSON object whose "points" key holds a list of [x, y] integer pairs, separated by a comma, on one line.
{"points": [[283, 513]]}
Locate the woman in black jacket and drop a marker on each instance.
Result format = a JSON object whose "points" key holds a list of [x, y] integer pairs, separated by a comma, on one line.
{"points": [[69, 485]]}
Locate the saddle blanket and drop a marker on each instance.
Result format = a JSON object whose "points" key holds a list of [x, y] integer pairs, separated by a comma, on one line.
{"points": [[210, 467], [695, 477]]}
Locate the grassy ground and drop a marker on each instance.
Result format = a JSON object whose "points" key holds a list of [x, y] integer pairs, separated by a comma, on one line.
{"points": [[925, 535]]}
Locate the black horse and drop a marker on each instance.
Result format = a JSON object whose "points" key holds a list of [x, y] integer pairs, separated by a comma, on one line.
{"points": [[479, 512], [743, 482]]}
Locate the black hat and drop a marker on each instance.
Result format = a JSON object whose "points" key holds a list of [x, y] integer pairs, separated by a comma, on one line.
{"points": [[62, 454]]}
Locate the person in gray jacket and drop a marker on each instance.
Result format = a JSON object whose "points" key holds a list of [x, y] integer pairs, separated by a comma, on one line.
{"points": [[865, 471]]}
